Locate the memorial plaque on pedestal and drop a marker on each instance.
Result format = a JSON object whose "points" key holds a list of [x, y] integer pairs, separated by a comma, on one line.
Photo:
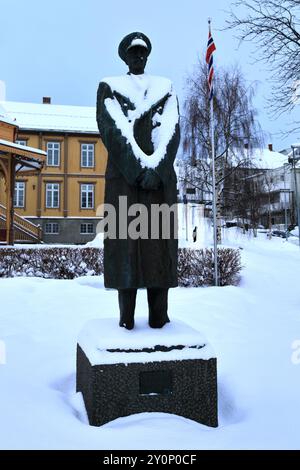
{"points": [[121, 372]]}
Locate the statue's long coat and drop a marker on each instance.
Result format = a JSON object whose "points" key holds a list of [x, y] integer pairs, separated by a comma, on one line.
{"points": [[136, 263]]}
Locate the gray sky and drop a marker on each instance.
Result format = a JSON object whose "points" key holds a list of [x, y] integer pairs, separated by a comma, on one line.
{"points": [[62, 48]]}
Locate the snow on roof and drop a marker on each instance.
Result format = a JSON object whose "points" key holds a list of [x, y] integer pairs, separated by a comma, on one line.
{"points": [[33, 116], [286, 151], [268, 159], [5, 118], [29, 158], [13, 145]]}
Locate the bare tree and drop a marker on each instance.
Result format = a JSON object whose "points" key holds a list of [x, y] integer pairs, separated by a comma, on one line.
{"points": [[235, 124], [269, 187], [244, 197], [257, 194], [274, 25]]}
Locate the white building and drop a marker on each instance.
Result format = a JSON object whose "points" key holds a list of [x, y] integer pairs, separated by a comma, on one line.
{"points": [[278, 183]]}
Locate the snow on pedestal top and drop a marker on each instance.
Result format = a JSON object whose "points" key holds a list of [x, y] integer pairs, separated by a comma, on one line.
{"points": [[100, 335]]}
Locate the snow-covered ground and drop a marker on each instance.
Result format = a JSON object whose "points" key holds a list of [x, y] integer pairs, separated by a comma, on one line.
{"points": [[253, 328]]}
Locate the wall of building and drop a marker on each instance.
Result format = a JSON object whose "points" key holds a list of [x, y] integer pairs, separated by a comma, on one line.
{"points": [[7, 131], [70, 175], [69, 230], [295, 184]]}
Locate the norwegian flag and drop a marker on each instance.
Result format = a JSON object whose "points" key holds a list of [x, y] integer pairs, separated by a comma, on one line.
{"points": [[210, 62]]}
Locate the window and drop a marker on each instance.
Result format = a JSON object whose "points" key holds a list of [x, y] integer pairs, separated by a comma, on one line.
{"points": [[52, 195], [86, 228], [53, 153], [87, 155], [190, 191], [19, 194], [87, 196], [21, 142], [51, 228]]}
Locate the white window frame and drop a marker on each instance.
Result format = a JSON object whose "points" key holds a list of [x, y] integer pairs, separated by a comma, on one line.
{"points": [[52, 188], [53, 158], [87, 188], [19, 194], [86, 231], [21, 142], [51, 226], [87, 155]]}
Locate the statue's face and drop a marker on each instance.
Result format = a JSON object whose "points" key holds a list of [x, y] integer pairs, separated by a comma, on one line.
{"points": [[136, 59]]}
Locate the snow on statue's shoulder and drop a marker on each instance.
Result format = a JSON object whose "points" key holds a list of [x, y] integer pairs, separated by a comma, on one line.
{"points": [[144, 91], [143, 87]]}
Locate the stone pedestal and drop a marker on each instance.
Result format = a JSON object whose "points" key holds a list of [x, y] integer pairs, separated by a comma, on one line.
{"points": [[121, 372]]}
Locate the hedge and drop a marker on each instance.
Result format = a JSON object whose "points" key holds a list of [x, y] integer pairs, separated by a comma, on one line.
{"points": [[195, 267]]}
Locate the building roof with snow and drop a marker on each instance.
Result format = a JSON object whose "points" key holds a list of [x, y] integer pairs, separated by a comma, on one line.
{"points": [[267, 159], [49, 117], [5, 118]]}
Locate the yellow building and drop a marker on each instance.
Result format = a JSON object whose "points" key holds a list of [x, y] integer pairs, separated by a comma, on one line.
{"points": [[15, 161], [64, 197]]}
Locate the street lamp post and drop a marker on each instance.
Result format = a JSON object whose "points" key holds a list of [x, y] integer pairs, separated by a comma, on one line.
{"points": [[293, 160], [285, 202]]}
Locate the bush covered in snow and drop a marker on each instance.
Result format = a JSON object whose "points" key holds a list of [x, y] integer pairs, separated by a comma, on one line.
{"points": [[51, 263], [195, 267]]}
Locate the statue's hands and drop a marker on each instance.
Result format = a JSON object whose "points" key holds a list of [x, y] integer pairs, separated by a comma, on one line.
{"points": [[149, 180]]}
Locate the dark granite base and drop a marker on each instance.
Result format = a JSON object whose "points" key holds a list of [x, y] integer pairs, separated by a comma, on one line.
{"points": [[186, 388]]}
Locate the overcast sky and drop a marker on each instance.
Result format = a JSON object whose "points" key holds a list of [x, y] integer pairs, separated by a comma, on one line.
{"points": [[62, 48]]}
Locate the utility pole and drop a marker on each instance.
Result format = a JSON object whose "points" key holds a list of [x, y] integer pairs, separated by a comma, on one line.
{"points": [[285, 202], [293, 160]]}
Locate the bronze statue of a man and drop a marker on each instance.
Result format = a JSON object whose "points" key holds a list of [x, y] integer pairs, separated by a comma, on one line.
{"points": [[138, 121]]}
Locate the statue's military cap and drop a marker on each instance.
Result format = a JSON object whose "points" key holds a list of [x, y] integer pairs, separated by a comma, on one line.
{"points": [[131, 40]]}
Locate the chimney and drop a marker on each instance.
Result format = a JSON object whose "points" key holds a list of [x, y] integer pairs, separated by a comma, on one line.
{"points": [[46, 99], [270, 147], [2, 91]]}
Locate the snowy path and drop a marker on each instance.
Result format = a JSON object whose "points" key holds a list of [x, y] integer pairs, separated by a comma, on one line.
{"points": [[251, 327]]}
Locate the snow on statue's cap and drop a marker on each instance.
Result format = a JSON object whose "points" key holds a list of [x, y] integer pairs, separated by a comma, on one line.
{"points": [[131, 40], [137, 42]]}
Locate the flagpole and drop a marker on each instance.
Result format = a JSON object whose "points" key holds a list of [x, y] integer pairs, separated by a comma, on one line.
{"points": [[212, 130]]}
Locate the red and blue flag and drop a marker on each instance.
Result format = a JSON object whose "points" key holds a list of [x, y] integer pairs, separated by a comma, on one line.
{"points": [[210, 62]]}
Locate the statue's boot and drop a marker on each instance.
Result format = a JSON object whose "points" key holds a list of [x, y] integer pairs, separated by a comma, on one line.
{"points": [[158, 307], [127, 299]]}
